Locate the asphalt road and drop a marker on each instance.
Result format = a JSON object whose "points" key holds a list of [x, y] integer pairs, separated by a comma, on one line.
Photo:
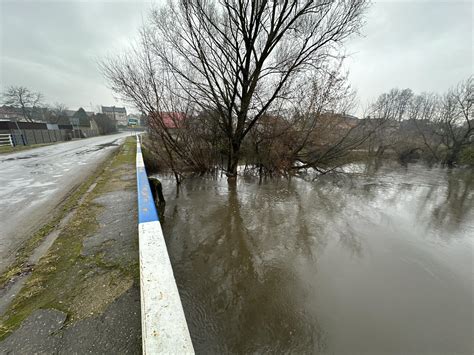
{"points": [[33, 182]]}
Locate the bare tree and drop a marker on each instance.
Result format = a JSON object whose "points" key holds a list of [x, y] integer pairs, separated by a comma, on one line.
{"points": [[441, 125], [59, 109], [56, 114], [241, 59], [423, 111], [455, 121], [24, 99], [172, 133], [326, 132]]}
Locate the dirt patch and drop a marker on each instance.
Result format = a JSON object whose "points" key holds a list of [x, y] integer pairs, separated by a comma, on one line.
{"points": [[98, 292]]}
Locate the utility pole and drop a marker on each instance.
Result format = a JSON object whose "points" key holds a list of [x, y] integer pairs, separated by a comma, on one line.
{"points": [[21, 134], [113, 110]]}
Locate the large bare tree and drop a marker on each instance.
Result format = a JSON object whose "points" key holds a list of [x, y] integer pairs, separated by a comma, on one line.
{"points": [[236, 58], [23, 98]]}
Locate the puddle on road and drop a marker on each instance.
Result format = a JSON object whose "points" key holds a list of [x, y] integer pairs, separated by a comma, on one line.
{"points": [[20, 158], [98, 147]]}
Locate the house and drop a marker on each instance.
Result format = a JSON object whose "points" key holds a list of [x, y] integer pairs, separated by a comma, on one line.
{"points": [[119, 114], [75, 120], [8, 112], [36, 114], [172, 120], [71, 113]]}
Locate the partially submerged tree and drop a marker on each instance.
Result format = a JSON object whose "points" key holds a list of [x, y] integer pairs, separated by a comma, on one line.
{"points": [[243, 58], [237, 59], [24, 99], [455, 124], [315, 132]]}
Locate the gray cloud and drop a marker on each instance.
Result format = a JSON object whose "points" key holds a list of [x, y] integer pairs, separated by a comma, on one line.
{"points": [[52, 47], [422, 45]]}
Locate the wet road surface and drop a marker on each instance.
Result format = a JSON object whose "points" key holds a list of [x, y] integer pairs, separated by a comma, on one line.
{"points": [[33, 182]]}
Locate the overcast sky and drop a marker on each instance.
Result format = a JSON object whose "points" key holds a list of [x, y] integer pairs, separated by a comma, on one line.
{"points": [[53, 46]]}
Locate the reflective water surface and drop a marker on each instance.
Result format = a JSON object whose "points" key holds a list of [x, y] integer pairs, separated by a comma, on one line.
{"points": [[377, 261]]}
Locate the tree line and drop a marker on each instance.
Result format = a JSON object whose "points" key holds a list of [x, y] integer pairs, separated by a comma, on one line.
{"points": [[439, 127]]}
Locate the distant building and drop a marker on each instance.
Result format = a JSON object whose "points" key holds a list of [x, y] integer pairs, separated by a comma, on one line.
{"points": [[74, 120], [8, 112], [71, 113], [34, 114], [133, 120], [117, 113]]}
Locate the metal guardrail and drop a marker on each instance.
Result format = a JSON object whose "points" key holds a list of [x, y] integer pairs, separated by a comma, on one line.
{"points": [[6, 139], [164, 327]]}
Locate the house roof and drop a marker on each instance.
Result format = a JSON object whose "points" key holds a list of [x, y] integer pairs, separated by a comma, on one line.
{"points": [[71, 113], [113, 109], [9, 110], [172, 119]]}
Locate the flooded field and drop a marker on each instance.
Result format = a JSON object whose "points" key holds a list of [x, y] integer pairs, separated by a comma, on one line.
{"points": [[377, 261]]}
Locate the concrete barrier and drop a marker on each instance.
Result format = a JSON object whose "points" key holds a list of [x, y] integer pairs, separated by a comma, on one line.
{"points": [[164, 327]]}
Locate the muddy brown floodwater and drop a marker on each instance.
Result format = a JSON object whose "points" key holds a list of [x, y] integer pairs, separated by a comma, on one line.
{"points": [[379, 261]]}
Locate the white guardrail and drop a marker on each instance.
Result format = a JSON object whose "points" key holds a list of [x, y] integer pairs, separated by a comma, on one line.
{"points": [[6, 139], [164, 327]]}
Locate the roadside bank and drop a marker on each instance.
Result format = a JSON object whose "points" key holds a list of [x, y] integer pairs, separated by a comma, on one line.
{"points": [[83, 295]]}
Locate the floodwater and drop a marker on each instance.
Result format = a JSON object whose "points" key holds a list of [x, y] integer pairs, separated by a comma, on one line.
{"points": [[378, 261]]}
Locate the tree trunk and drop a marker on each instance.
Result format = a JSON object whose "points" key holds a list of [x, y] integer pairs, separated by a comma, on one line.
{"points": [[380, 151], [453, 154], [233, 160]]}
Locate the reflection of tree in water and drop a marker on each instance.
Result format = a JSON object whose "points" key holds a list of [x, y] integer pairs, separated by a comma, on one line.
{"points": [[339, 212], [239, 252], [456, 206], [235, 275], [443, 197], [349, 239]]}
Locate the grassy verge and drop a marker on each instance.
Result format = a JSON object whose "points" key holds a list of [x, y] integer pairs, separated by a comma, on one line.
{"points": [[64, 279]]}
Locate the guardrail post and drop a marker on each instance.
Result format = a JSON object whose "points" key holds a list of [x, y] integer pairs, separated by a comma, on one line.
{"points": [[164, 327]]}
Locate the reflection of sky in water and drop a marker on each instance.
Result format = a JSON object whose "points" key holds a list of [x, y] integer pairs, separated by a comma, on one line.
{"points": [[380, 260]]}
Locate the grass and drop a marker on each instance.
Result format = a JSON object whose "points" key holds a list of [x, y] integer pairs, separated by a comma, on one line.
{"points": [[64, 279]]}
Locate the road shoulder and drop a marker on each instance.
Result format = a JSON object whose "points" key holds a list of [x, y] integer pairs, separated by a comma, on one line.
{"points": [[83, 294]]}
